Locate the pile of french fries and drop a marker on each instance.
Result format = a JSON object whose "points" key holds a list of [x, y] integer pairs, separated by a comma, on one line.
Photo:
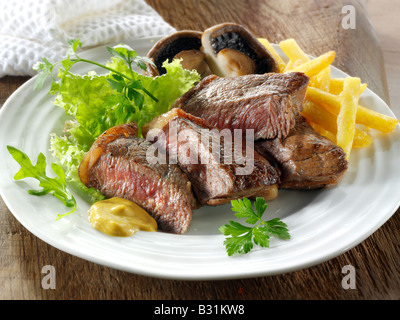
{"points": [[332, 104]]}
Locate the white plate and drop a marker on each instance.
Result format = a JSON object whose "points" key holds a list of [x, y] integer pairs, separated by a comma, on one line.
{"points": [[323, 224]]}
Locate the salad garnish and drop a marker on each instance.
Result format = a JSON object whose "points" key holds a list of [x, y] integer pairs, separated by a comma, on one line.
{"points": [[96, 102]]}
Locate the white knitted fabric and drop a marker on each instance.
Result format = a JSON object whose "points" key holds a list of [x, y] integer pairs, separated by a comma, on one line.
{"points": [[32, 29]]}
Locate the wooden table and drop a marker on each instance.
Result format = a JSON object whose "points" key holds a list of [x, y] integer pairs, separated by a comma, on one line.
{"points": [[316, 25]]}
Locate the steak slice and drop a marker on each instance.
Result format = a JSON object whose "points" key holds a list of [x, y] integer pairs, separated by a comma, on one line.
{"points": [[117, 166], [207, 156], [305, 159], [267, 103]]}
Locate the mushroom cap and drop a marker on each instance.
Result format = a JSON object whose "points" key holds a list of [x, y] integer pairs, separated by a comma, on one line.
{"points": [[172, 45], [222, 44]]}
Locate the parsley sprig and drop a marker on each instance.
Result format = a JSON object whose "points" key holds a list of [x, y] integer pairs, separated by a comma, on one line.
{"points": [[129, 87], [241, 238], [56, 186]]}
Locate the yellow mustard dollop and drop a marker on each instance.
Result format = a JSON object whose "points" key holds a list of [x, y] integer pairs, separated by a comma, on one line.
{"points": [[120, 217]]}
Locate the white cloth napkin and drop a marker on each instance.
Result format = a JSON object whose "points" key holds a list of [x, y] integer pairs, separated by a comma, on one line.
{"points": [[32, 29]]}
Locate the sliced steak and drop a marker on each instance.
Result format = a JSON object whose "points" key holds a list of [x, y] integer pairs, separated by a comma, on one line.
{"points": [[305, 159], [267, 103], [117, 166], [207, 156]]}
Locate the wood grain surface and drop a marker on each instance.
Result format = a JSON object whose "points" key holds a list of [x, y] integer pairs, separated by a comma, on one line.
{"points": [[316, 25], [384, 15]]}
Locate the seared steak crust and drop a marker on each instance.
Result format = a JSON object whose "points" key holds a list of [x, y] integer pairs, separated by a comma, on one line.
{"points": [[305, 159], [267, 103]]}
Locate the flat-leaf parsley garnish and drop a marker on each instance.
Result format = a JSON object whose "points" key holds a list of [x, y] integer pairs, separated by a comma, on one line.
{"points": [[56, 186], [241, 238]]}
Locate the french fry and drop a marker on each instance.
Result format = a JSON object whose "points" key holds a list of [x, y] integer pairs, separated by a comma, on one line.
{"points": [[346, 120], [315, 66], [292, 50], [336, 86], [361, 139], [364, 116], [272, 51], [323, 132], [319, 115], [329, 101], [322, 80], [296, 55], [292, 64], [327, 125], [329, 107], [376, 120]]}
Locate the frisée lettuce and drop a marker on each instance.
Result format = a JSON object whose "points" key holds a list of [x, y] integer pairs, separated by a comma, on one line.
{"points": [[95, 102]]}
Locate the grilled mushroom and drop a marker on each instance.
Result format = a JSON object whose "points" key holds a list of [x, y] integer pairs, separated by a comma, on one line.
{"points": [[185, 45], [231, 50]]}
